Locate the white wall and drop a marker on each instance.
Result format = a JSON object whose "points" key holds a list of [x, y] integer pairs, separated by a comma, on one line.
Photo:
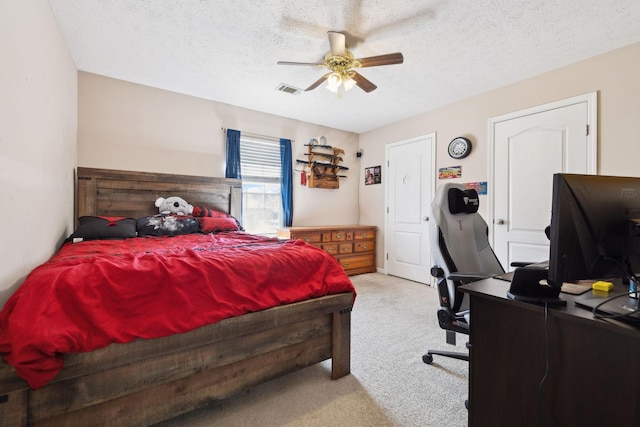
{"points": [[613, 75], [38, 116], [128, 126]]}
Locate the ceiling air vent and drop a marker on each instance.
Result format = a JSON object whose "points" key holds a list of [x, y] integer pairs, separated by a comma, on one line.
{"points": [[289, 89]]}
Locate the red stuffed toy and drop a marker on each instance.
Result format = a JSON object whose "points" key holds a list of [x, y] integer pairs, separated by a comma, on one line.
{"points": [[201, 211], [212, 220]]}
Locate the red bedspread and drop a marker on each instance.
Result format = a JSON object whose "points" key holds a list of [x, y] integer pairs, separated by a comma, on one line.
{"points": [[94, 293]]}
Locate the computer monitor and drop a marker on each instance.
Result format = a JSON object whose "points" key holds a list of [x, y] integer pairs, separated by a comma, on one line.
{"points": [[595, 228]]}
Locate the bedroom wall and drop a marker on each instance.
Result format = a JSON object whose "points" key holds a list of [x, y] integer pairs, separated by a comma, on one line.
{"points": [[123, 125], [613, 75], [38, 116]]}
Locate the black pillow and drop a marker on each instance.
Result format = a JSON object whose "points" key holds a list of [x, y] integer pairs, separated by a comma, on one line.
{"points": [[463, 201], [104, 227], [167, 225]]}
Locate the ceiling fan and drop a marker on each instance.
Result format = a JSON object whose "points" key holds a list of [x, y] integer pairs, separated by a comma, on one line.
{"points": [[342, 66]]}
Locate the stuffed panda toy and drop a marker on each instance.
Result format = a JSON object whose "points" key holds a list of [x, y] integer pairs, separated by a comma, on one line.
{"points": [[173, 205]]}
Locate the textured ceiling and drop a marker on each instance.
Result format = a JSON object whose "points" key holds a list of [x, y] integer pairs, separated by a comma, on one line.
{"points": [[227, 51]]}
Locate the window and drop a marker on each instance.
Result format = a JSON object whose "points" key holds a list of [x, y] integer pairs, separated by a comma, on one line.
{"points": [[261, 187]]}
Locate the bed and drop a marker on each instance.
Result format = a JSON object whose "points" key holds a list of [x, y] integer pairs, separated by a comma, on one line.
{"points": [[149, 380]]}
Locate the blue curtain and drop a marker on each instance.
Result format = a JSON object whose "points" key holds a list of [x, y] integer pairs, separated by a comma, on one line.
{"points": [[286, 180], [233, 154]]}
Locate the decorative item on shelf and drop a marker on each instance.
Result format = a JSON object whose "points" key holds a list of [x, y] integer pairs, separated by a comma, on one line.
{"points": [[323, 163], [321, 140]]}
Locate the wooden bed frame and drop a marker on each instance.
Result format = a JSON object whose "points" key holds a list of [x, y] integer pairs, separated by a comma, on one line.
{"points": [[148, 381]]}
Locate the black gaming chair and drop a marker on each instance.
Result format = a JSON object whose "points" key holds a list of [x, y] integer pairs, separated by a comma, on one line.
{"points": [[461, 254]]}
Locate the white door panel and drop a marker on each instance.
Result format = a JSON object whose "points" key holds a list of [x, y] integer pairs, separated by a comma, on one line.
{"points": [[528, 148], [409, 190], [407, 178], [408, 248]]}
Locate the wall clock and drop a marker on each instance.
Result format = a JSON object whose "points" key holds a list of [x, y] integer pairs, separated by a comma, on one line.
{"points": [[459, 148]]}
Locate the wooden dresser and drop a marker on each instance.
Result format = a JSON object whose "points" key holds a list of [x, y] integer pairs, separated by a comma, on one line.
{"points": [[353, 245]]}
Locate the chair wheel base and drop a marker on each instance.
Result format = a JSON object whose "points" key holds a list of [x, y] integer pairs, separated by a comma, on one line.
{"points": [[427, 358]]}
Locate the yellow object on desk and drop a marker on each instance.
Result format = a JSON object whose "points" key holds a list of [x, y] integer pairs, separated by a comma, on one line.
{"points": [[602, 286]]}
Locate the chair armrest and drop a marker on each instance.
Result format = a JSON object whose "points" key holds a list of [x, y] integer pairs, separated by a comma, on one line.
{"points": [[520, 264], [468, 277]]}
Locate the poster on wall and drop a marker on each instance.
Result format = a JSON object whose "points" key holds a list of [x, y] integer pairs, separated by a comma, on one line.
{"points": [[450, 172], [480, 187], [372, 175]]}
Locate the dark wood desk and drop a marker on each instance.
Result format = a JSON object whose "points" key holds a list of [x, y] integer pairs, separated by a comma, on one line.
{"points": [[594, 365]]}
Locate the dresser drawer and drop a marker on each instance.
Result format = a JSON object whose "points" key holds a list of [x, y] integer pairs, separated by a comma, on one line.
{"points": [[364, 234], [331, 248], [338, 236], [345, 248], [365, 246], [358, 263], [308, 237]]}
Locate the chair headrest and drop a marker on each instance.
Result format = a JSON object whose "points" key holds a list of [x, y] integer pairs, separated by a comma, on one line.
{"points": [[463, 201]]}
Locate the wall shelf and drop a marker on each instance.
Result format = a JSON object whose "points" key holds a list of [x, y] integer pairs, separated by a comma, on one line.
{"points": [[323, 164]]}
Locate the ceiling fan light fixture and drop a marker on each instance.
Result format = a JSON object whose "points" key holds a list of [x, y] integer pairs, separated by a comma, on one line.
{"points": [[342, 67], [334, 80], [348, 83]]}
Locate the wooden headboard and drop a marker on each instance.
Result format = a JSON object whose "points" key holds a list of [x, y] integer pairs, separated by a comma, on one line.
{"points": [[133, 194]]}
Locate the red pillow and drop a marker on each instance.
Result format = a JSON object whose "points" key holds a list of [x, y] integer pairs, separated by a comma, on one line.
{"points": [[209, 224], [201, 211]]}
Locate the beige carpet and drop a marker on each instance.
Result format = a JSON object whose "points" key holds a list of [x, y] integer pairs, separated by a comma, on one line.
{"points": [[393, 324]]}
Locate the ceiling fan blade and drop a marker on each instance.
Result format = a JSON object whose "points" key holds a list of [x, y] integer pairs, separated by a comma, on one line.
{"points": [[338, 43], [363, 83], [317, 82], [388, 59], [299, 63]]}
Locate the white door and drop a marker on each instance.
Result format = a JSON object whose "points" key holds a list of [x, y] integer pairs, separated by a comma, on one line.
{"points": [[409, 191], [528, 148]]}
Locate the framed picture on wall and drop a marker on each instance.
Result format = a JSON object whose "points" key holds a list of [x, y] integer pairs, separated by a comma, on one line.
{"points": [[372, 175]]}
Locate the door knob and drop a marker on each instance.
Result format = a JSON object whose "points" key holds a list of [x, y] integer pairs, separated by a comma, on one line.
{"points": [[426, 218], [498, 221]]}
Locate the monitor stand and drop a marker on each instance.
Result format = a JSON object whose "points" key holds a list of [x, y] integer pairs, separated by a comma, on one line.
{"points": [[529, 284], [555, 301]]}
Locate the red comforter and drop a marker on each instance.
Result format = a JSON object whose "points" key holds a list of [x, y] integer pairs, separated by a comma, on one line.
{"points": [[94, 293]]}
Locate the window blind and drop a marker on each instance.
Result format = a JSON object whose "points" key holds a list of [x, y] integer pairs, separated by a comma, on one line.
{"points": [[260, 159]]}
